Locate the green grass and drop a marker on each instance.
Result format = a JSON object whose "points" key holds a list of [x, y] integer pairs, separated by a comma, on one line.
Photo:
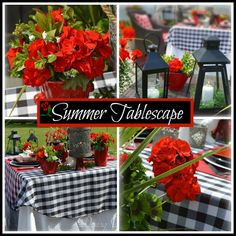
{"points": [[23, 128]]}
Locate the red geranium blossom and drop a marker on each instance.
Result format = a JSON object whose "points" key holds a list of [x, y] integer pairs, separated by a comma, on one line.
{"points": [[124, 54], [167, 154], [175, 65], [136, 53], [123, 158], [128, 32], [123, 42]]}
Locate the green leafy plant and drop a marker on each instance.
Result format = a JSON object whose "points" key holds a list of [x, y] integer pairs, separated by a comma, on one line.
{"points": [[184, 65]]}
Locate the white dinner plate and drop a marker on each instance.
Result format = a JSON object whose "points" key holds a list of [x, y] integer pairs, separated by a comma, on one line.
{"points": [[216, 164]]}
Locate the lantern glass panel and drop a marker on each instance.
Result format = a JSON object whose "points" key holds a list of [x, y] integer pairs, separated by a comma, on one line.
{"points": [[212, 91], [13, 146], [154, 86]]}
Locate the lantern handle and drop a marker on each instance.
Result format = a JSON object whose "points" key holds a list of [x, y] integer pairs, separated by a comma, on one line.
{"points": [[148, 40]]}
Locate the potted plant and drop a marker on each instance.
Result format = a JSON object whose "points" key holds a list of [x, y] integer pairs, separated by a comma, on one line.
{"points": [[48, 158], [57, 51], [179, 70], [100, 144]]}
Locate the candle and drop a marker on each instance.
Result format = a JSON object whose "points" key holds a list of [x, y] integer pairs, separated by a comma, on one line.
{"points": [[207, 92], [153, 93]]}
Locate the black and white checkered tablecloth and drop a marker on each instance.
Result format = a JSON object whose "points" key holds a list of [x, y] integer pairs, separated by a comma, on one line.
{"points": [[190, 38], [27, 108], [69, 194], [210, 212]]}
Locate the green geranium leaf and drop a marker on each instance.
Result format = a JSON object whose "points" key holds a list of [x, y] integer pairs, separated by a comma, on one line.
{"points": [[40, 64], [78, 81], [51, 58]]}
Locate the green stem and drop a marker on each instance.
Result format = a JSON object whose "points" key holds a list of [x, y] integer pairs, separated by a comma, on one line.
{"points": [[139, 149], [134, 137], [18, 98], [92, 14], [172, 171]]}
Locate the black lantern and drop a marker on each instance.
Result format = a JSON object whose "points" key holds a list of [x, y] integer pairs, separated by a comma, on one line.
{"points": [[149, 70], [210, 93], [13, 143], [32, 137]]}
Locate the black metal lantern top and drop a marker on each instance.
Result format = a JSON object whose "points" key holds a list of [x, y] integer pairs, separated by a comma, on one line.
{"points": [[152, 62], [32, 137], [210, 53]]}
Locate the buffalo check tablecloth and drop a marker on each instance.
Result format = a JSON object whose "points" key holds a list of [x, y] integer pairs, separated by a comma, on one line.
{"points": [[27, 108], [191, 38], [69, 194], [211, 211]]}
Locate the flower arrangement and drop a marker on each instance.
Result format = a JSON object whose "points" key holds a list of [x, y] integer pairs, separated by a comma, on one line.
{"points": [[184, 65], [101, 140], [56, 135], [56, 46], [28, 145], [127, 57], [47, 153], [180, 69], [173, 165]]}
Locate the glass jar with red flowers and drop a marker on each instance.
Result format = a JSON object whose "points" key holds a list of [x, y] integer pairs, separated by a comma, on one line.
{"points": [[60, 52], [100, 143], [179, 70]]}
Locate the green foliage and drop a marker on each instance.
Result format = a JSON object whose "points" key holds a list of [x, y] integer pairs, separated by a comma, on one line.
{"points": [[79, 80], [188, 63], [187, 60], [217, 102], [64, 167], [138, 208], [125, 79]]}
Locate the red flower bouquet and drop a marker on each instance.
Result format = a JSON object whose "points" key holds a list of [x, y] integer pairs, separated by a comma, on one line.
{"points": [[167, 154], [179, 70], [55, 46], [101, 140]]}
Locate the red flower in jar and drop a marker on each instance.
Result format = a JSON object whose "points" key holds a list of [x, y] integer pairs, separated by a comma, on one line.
{"points": [[175, 65]]}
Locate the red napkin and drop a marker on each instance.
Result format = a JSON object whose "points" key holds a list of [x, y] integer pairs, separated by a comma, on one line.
{"points": [[205, 168], [111, 158]]}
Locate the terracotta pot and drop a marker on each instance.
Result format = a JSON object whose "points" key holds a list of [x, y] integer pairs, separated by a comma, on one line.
{"points": [[101, 157], [55, 89], [177, 81], [48, 167]]}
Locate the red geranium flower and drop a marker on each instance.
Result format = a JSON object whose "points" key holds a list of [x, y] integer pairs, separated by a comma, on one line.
{"points": [[124, 54], [123, 42], [167, 154], [128, 32], [175, 65], [123, 158], [136, 53]]}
